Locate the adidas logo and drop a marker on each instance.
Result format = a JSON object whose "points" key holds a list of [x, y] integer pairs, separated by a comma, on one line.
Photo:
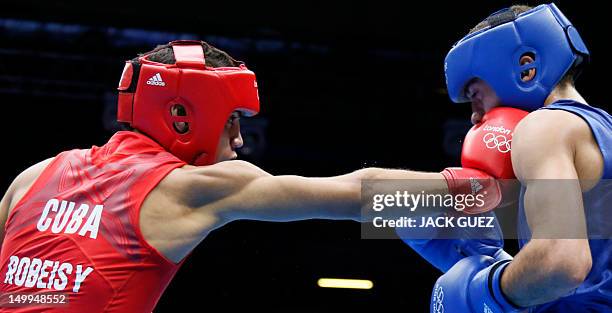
{"points": [[476, 186], [156, 80]]}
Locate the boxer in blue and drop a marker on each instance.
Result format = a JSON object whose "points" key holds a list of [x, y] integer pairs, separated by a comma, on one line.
{"points": [[528, 58]]}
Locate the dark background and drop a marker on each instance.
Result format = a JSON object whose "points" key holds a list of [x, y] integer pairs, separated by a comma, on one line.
{"points": [[342, 85]]}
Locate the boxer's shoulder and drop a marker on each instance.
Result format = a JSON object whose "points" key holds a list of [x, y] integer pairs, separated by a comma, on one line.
{"points": [[24, 181], [558, 129], [18, 188], [193, 185], [547, 131], [551, 122], [554, 137], [181, 210]]}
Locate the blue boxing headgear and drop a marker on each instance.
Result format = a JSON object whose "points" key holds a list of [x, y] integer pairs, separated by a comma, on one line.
{"points": [[493, 53]]}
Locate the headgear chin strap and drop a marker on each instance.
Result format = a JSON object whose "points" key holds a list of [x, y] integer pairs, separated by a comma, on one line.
{"points": [[493, 55], [148, 90]]}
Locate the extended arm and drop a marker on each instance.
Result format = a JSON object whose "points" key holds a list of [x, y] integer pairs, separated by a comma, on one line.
{"points": [[240, 190]]}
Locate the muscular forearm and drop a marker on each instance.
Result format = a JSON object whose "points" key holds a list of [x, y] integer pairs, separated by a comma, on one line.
{"points": [[545, 270], [437, 180], [292, 198], [390, 181], [347, 203], [430, 182]]}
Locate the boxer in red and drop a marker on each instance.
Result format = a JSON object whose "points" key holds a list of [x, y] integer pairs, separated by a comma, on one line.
{"points": [[109, 226]]}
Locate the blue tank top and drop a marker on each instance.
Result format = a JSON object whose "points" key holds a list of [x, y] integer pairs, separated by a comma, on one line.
{"points": [[595, 293]]}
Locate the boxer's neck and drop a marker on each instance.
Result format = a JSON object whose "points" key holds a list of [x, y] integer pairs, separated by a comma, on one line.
{"points": [[564, 92]]}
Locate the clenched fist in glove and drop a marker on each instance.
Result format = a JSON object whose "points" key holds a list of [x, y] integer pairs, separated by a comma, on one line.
{"points": [[484, 160], [485, 157]]}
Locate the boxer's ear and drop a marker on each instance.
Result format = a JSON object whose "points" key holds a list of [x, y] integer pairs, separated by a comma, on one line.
{"points": [[529, 74], [179, 110]]}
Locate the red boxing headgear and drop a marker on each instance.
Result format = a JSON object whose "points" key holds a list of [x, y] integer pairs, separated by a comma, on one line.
{"points": [[148, 90]]}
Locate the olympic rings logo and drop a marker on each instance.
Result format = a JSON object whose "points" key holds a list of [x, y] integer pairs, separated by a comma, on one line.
{"points": [[499, 142]]}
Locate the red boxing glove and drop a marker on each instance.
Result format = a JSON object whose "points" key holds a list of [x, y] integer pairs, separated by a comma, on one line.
{"points": [[484, 189], [485, 157], [487, 145]]}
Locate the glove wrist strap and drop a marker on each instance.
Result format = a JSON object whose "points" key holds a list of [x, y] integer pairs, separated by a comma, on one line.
{"points": [[494, 287]]}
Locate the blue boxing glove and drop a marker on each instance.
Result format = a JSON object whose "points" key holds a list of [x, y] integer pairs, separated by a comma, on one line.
{"points": [[461, 242], [473, 285]]}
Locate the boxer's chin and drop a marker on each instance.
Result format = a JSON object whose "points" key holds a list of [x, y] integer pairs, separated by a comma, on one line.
{"points": [[203, 160], [231, 156]]}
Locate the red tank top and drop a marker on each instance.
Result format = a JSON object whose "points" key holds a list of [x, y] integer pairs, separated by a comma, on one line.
{"points": [[76, 231]]}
